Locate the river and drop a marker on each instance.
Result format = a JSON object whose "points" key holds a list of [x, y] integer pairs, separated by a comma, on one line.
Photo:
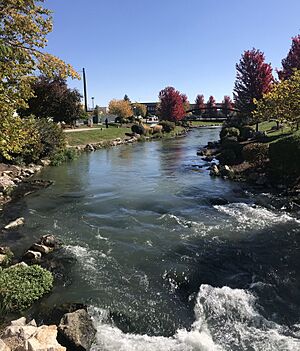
{"points": [[167, 257]]}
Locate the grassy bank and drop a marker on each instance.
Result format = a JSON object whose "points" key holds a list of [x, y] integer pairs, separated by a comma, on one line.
{"points": [[205, 124], [94, 135]]}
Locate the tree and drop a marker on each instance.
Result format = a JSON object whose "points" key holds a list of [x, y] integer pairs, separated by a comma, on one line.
{"points": [[254, 78], [126, 98], [185, 101], [282, 102], [139, 109], [211, 106], [200, 104], [227, 105], [121, 108], [292, 61], [171, 105], [24, 26], [52, 98]]}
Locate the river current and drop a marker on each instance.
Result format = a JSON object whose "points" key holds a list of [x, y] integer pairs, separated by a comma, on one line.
{"points": [[166, 257]]}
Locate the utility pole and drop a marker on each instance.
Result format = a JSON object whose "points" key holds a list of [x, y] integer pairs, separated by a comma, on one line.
{"points": [[84, 90]]}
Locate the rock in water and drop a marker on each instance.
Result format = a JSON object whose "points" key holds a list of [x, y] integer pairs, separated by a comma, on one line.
{"points": [[16, 223], [76, 331]]}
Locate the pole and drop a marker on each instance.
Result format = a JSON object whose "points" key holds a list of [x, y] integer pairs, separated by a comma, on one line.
{"points": [[84, 90]]}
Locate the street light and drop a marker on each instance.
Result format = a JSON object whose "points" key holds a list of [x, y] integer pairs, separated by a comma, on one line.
{"points": [[93, 101]]}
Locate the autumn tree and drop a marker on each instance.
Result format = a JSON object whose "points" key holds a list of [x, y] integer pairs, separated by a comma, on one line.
{"points": [[227, 106], [171, 106], [200, 104], [24, 25], [139, 109], [52, 98], [254, 78], [292, 61], [282, 102], [185, 101], [120, 108], [211, 106]]}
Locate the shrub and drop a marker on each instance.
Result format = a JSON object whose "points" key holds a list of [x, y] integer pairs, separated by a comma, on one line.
{"points": [[167, 126], [229, 132], [52, 137], [284, 157], [246, 132], [63, 156], [21, 286], [138, 129], [228, 157], [255, 153]]}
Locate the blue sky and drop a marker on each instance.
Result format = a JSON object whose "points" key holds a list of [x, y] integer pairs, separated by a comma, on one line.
{"points": [[138, 47]]}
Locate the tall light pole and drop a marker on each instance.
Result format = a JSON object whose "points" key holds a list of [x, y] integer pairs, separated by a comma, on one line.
{"points": [[93, 101], [84, 90]]}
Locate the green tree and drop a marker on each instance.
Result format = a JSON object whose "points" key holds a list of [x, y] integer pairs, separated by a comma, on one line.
{"points": [[24, 25], [52, 98], [282, 102]]}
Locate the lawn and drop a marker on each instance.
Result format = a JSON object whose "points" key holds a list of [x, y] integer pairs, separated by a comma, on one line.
{"points": [[205, 124], [95, 134]]}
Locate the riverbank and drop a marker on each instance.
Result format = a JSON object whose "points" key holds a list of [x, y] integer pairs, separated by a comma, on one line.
{"points": [[265, 159]]}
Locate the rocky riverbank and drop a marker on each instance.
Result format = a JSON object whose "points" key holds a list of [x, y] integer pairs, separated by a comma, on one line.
{"points": [[256, 174], [15, 180], [73, 332]]}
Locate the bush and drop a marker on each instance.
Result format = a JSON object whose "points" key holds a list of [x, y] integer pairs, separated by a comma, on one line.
{"points": [[52, 137], [228, 157], [256, 153], [246, 132], [138, 129], [167, 126], [284, 157], [28, 140], [229, 132], [21, 286], [63, 156]]}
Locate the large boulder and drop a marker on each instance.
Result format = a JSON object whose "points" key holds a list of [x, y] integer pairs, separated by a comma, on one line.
{"points": [[28, 337], [76, 331]]}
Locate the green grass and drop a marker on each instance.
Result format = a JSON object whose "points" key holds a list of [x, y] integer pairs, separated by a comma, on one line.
{"points": [[94, 135], [205, 124]]}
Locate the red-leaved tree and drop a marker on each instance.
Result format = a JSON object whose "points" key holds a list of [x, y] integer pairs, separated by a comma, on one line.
{"points": [[185, 101], [200, 104], [292, 61], [227, 105], [211, 106], [253, 79], [170, 105]]}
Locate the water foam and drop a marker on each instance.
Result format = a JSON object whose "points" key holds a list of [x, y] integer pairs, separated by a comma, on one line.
{"points": [[250, 216], [226, 319]]}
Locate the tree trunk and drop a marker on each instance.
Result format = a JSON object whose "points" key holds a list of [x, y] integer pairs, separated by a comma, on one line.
{"points": [[256, 126]]}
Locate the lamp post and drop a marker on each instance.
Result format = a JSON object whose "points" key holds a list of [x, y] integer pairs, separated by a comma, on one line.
{"points": [[93, 101]]}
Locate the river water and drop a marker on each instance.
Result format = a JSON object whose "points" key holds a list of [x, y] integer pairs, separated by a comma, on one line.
{"points": [[167, 257]]}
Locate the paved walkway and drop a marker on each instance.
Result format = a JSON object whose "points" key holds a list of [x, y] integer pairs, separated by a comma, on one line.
{"points": [[80, 129]]}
